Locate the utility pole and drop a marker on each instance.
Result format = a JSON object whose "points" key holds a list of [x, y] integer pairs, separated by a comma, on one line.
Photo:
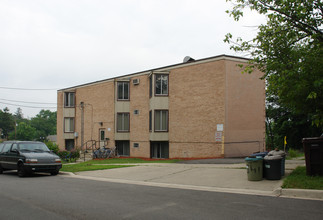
{"points": [[82, 124], [15, 129]]}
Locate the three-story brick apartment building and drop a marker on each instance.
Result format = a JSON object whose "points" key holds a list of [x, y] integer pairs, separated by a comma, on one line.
{"points": [[196, 109]]}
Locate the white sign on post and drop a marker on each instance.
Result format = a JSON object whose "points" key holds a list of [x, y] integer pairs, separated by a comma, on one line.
{"points": [[219, 127]]}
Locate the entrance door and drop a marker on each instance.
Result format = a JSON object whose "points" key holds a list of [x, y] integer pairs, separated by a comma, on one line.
{"points": [[102, 137]]}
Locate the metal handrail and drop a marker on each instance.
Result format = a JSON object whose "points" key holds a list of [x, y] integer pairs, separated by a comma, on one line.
{"points": [[94, 145]]}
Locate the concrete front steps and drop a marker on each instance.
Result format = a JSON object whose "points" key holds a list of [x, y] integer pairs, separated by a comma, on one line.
{"points": [[85, 157]]}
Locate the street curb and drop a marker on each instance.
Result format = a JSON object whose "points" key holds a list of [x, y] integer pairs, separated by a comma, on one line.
{"points": [[66, 173], [279, 192], [180, 186], [302, 193]]}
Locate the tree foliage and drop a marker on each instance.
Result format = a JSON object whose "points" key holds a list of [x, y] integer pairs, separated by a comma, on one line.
{"points": [[36, 128], [24, 132], [281, 122], [45, 123], [289, 50], [7, 122]]}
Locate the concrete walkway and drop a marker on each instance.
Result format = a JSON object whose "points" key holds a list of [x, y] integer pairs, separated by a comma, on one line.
{"points": [[215, 177]]}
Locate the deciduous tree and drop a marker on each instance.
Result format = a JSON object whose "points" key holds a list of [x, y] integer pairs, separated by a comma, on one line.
{"points": [[289, 50]]}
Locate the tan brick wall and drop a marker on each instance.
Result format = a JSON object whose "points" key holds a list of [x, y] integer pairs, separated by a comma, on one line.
{"points": [[60, 118], [196, 106], [200, 97], [139, 124], [100, 97], [245, 111]]}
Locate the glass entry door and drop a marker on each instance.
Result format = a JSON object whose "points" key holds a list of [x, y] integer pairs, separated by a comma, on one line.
{"points": [[102, 137]]}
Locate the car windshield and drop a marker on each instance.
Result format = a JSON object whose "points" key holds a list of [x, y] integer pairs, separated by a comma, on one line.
{"points": [[33, 147]]}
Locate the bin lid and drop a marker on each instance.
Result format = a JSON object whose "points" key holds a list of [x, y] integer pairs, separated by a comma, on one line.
{"points": [[273, 157], [262, 154], [313, 139], [277, 152], [253, 158]]}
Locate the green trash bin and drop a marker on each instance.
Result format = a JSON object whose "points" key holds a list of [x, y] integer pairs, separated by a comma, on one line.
{"points": [[254, 168]]}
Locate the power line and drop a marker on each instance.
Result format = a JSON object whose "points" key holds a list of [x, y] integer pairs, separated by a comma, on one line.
{"points": [[3, 87], [25, 105], [29, 102]]}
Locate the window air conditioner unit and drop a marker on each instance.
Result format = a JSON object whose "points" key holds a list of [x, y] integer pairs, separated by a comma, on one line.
{"points": [[135, 81]]}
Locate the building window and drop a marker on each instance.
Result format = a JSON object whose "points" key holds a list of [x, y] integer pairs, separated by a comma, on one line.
{"points": [[69, 99], [123, 122], [150, 85], [161, 82], [68, 125], [123, 148], [69, 144], [159, 150], [161, 120], [150, 120], [123, 90]]}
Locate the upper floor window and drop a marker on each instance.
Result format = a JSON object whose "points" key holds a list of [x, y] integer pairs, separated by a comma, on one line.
{"points": [[68, 125], [123, 90], [123, 122], [150, 85], [161, 82], [69, 99]]}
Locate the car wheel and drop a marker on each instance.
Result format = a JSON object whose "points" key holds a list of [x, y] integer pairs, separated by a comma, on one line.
{"points": [[21, 170], [1, 169], [54, 173]]}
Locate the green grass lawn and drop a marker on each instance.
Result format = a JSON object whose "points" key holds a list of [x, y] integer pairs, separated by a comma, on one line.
{"points": [[294, 154], [128, 160], [88, 167], [298, 180], [105, 164]]}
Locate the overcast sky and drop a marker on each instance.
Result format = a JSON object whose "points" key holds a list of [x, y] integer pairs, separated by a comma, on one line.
{"points": [[55, 44]]}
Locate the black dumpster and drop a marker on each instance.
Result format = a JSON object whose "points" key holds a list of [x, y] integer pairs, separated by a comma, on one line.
{"points": [[313, 149], [273, 167]]}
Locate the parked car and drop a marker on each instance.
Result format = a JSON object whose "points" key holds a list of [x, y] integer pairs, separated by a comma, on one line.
{"points": [[27, 157]]}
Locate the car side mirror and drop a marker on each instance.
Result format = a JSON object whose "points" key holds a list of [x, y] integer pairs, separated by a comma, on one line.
{"points": [[15, 151]]}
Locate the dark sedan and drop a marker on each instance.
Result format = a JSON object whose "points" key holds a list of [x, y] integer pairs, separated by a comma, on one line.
{"points": [[27, 157]]}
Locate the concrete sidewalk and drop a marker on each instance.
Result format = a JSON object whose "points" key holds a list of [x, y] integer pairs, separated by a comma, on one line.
{"points": [[230, 178]]}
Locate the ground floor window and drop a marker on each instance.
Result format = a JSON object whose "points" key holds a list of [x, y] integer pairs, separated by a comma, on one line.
{"points": [[159, 149], [69, 144], [123, 148]]}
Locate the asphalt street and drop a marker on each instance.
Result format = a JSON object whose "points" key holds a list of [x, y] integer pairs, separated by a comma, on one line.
{"points": [[63, 197]]}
